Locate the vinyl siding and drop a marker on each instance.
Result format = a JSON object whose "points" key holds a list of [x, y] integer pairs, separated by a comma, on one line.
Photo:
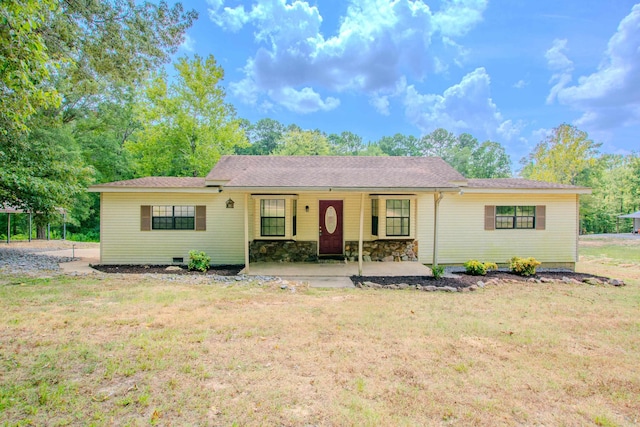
{"points": [[424, 234], [122, 242], [463, 236]]}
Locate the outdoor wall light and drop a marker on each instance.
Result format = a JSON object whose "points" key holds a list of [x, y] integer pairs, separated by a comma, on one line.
{"points": [[230, 203], [306, 208]]}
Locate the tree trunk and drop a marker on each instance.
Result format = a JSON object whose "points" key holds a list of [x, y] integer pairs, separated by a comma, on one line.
{"points": [[41, 232]]}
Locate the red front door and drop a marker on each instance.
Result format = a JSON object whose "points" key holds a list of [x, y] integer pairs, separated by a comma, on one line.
{"points": [[330, 227]]}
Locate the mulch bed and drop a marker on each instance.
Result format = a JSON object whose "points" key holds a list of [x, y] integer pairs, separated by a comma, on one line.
{"points": [[219, 270], [465, 280]]}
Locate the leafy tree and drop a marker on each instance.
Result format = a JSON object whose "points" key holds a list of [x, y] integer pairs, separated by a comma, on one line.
{"points": [[303, 143], [346, 144], [78, 52], [186, 125], [264, 137], [490, 160], [25, 62], [399, 145], [565, 157]]}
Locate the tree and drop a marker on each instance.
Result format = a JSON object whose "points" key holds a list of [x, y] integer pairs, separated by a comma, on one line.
{"points": [[78, 52], [264, 137], [24, 62], [490, 160], [303, 143], [565, 156], [346, 144], [186, 125], [399, 145]]}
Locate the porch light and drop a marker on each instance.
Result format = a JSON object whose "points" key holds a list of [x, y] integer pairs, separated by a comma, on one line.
{"points": [[306, 208], [230, 204]]}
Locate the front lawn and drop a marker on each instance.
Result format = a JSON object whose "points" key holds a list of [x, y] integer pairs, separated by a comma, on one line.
{"points": [[127, 351]]}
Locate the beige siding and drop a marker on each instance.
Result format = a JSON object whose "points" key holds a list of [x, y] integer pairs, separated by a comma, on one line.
{"points": [[463, 235], [424, 234], [122, 242]]}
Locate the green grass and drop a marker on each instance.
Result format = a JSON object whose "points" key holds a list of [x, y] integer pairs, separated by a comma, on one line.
{"points": [[81, 351], [615, 252]]}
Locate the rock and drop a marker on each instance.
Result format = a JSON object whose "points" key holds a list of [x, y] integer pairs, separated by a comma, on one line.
{"points": [[283, 287], [388, 258], [446, 289], [173, 268], [366, 258], [393, 287], [566, 279], [546, 280], [473, 288], [479, 284], [616, 282], [592, 281], [429, 288], [403, 285], [370, 284], [531, 280], [465, 289]]}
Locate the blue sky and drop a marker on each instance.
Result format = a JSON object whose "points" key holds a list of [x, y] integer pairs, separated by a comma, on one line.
{"points": [[505, 70]]}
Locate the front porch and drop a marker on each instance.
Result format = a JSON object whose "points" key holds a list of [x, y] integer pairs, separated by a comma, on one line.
{"points": [[337, 269]]}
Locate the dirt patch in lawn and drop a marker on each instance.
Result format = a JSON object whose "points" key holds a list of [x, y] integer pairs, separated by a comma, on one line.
{"points": [[221, 270], [463, 280]]}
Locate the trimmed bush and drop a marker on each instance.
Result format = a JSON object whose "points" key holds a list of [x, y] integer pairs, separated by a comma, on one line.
{"points": [[524, 266], [199, 260], [437, 271], [477, 268]]}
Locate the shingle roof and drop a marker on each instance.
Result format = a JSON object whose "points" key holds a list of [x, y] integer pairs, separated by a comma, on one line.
{"points": [[156, 182], [516, 183], [333, 172]]}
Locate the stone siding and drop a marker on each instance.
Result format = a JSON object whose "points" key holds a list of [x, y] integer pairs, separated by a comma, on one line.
{"points": [[283, 251], [383, 250]]}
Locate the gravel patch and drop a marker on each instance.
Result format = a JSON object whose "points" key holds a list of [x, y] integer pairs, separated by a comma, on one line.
{"points": [[27, 261]]}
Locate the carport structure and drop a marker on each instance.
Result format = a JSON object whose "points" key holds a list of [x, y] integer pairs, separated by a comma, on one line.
{"points": [[9, 210], [636, 220]]}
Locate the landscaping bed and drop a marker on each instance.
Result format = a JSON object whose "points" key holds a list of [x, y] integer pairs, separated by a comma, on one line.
{"points": [[465, 281], [219, 270]]}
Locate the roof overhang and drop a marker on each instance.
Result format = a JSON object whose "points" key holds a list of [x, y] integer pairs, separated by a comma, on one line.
{"points": [[342, 189], [201, 190], [477, 190]]}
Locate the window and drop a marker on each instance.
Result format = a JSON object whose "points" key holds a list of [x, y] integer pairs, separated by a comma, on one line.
{"points": [[272, 217], [294, 221], [374, 217], [173, 218], [398, 213], [515, 217]]}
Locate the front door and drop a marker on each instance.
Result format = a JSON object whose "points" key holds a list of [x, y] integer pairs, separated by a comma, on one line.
{"points": [[330, 227]]}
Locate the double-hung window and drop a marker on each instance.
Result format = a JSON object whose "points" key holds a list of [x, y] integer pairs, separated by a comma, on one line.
{"points": [[515, 217], [398, 217], [272, 217], [173, 218]]}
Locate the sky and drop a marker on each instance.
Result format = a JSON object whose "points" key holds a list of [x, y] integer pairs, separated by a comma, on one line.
{"points": [[504, 70]]}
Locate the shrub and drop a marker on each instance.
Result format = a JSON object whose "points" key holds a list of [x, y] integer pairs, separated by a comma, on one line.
{"points": [[437, 271], [524, 266], [199, 260], [477, 268]]}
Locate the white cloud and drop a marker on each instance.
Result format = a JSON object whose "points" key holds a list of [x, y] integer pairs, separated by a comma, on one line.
{"points": [[610, 96], [510, 130], [188, 44], [464, 107], [520, 84], [380, 103], [560, 65], [377, 43], [303, 101]]}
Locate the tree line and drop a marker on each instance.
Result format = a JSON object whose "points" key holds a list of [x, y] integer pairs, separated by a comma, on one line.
{"points": [[86, 99]]}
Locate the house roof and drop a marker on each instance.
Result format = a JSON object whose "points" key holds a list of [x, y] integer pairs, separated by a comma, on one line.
{"points": [[156, 182], [516, 183], [631, 215], [337, 172]]}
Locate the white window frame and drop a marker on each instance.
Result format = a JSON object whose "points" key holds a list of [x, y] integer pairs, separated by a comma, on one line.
{"points": [[382, 215], [288, 215]]}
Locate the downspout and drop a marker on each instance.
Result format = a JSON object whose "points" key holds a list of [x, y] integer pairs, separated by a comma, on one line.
{"points": [[361, 234], [246, 233], [437, 198]]}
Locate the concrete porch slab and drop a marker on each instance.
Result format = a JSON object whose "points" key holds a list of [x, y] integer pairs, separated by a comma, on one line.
{"points": [[307, 270]]}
